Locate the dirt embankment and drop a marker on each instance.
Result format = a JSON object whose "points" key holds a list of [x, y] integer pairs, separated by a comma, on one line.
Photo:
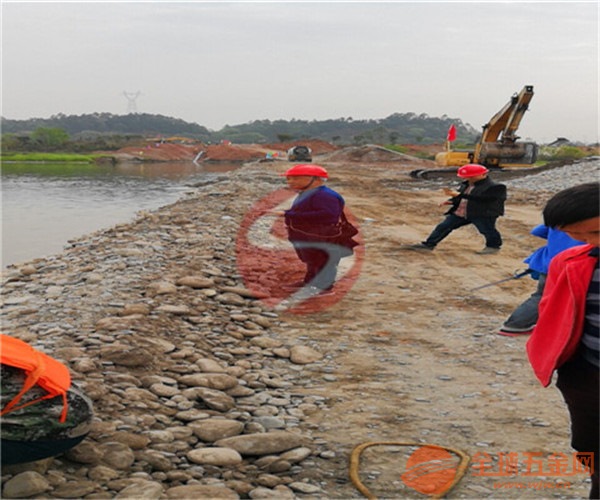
{"points": [[163, 151]]}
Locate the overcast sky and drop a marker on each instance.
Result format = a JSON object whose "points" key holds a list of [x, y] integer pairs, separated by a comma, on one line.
{"points": [[218, 63]]}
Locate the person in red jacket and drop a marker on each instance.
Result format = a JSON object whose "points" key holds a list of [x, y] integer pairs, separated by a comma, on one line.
{"points": [[566, 337]]}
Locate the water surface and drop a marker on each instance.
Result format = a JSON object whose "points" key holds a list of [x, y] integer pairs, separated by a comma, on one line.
{"points": [[46, 205]]}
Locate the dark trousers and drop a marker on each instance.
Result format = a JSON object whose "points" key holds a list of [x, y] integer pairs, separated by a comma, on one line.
{"points": [[526, 315], [578, 383], [485, 225], [321, 259]]}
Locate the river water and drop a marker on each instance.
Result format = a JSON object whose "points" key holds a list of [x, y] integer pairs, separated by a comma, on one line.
{"points": [[46, 205]]}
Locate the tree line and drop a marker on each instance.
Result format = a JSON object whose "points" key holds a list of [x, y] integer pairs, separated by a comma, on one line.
{"points": [[105, 131]]}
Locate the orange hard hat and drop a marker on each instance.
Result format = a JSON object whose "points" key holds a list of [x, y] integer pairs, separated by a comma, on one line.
{"points": [[471, 170], [308, 170]]}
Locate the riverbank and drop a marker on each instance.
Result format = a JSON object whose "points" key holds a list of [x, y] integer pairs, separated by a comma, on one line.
{"points": [[202, 391], [53, 158]]}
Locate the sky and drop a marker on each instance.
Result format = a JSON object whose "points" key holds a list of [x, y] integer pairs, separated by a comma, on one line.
{"points": [[227, 63]]}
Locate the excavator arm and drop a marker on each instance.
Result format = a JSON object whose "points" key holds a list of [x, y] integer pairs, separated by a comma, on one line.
{"points": [[498, 146], [506, 121], [523, 100]]}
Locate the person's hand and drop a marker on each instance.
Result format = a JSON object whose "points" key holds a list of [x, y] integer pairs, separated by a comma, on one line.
{"points": [[450, 192], [441, 204]]}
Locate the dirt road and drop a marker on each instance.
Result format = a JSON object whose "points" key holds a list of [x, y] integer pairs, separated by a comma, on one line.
{"points": [[415, 356]]}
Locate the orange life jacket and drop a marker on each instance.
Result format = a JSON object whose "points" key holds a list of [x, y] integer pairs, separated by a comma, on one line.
{"points": [[39, 368]]}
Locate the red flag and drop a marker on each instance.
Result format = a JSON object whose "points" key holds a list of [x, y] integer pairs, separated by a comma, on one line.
{"points": [[451, 133]]}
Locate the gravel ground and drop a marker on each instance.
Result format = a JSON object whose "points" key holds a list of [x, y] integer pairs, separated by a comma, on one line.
{"points": [[587, 170]]}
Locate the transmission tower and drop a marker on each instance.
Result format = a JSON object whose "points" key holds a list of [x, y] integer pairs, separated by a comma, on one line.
{"points": [[131, 97]]}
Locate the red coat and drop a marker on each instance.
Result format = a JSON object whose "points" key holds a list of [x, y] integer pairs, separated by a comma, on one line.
{"points": [[558, 331]]}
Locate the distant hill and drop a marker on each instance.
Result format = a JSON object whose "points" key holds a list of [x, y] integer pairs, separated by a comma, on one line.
{"points": [[107, 123], [398, 128]]}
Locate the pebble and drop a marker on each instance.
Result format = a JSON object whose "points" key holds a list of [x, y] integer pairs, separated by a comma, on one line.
{"points": [[202, 491], [305, 488], [265, 443], [303, 355], [142, 489], [24, 485], [214, 429], [215, 456]]}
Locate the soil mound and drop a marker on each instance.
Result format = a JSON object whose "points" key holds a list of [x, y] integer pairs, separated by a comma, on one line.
{"points": [[158, 152], [243, 153], [233, 152], [225, 152], [377, 155]]}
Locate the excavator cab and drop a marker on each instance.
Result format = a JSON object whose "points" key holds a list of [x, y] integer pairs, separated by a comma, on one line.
{"points": [[454, 158]]}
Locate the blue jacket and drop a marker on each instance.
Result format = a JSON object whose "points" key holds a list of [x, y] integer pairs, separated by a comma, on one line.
{"points": [[539, 261]]}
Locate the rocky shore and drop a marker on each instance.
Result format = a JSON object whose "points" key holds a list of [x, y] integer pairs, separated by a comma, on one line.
{"points": [[202, 390], [195, 393]]}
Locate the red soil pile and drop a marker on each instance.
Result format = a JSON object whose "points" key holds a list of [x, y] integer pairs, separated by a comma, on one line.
{"points": [[159, 152], [233, 152], [168, 151]]}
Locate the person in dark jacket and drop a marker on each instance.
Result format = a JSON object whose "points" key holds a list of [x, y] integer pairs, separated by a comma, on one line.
{"points": [[478, 201], [312, 223]]}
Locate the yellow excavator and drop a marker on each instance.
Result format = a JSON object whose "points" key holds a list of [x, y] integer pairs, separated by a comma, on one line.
{"points": [[498, 146]]}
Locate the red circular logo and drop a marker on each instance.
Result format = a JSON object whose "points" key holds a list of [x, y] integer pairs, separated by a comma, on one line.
{"points": [[270, 266], [430, 471]]}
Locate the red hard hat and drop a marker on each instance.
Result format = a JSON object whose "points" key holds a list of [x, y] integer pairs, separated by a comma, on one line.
{"points": [[471, 170], [309, 170]]}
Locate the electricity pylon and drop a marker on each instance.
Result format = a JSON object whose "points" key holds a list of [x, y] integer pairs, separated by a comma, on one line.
{"points": [[131, 104]]}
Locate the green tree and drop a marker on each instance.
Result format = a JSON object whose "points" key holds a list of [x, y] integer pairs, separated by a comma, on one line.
{"points": [[569, 153], [49, 138], [11, 142]]}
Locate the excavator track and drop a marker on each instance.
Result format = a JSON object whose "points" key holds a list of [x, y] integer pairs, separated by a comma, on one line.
{"points": [[499, 173], [434, 173]]}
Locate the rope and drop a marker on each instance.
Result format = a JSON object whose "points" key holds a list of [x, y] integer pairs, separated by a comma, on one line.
{"points": [[355, 462]]}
